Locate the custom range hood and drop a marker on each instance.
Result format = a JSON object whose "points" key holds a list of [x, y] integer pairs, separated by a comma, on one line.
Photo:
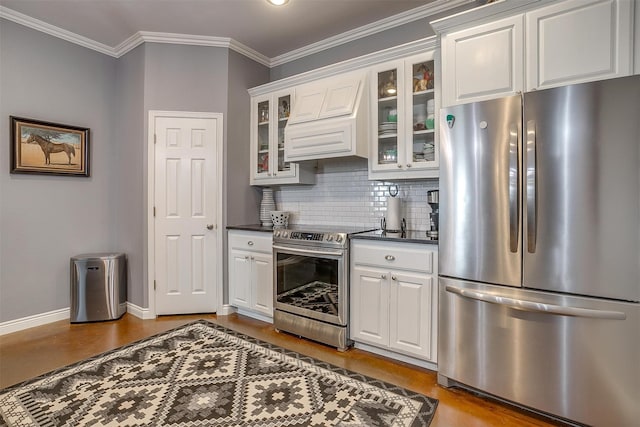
{"points": [[329, 118]]}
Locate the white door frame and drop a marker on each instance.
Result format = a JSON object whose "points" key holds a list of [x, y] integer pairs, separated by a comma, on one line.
{"points": [[151, 261]]}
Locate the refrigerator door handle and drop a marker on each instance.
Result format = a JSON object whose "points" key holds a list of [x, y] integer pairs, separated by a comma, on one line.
{"points": [[514, 192], [525, 305], [532, 208]]}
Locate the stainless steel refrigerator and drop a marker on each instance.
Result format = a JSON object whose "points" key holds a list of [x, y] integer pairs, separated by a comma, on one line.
{"points": [[539, 250]]}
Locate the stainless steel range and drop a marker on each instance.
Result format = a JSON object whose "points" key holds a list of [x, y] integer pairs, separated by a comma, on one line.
{"points": [[311, 277]]}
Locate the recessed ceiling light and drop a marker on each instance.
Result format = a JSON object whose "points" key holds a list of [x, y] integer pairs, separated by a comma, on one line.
{"points": [[278, 2]]}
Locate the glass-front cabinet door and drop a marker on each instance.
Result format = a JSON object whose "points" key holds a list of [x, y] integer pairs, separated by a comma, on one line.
{"points": [[269, 117], [404, 141], [262, 167], [283, 110]]}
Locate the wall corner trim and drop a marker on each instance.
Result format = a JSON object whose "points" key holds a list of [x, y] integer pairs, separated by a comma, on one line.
{"points": [[139, 312]]}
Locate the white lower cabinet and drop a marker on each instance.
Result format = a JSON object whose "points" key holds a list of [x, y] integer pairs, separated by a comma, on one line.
{"points": [[394, 297], [251, 271]]}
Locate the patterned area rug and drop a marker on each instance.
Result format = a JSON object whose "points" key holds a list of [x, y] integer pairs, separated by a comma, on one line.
{"points": [[203, 374]]}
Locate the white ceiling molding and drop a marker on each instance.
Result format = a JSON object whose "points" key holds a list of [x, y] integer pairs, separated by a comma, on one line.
{"points": [[140, 37], [192, 40], [378, 57], [52, 30], [485, 13], [415, 14]]}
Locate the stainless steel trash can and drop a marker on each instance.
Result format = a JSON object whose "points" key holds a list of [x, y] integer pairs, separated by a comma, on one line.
{"points": [[98, 287]]}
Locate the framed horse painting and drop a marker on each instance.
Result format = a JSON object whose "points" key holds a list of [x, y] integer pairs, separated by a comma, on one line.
{"points": [[39, 147]]}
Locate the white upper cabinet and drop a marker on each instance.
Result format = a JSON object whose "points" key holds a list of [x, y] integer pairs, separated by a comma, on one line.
{"points": [[483, 62], [578, 40], [269, 116], [529, 45], [403, 143]]}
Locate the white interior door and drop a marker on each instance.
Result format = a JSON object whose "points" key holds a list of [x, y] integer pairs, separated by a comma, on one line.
{"points": [[186, 191]]}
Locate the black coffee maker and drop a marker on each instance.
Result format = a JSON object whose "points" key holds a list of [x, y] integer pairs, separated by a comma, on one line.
{"points": [[433, 198]]}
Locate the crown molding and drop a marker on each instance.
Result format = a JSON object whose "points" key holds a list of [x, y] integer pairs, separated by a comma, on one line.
{"points": [[192, 40], [415, 14], [378, 57], [140, 37], [52, 30], [485, 13]]}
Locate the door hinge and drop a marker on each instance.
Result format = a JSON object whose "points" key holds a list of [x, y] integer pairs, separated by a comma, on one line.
{"points": [[154, 285], [154, 211], [155, 138]]}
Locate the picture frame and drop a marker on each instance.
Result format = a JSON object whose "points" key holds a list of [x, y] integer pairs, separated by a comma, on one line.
{"points": [[40, 147]]}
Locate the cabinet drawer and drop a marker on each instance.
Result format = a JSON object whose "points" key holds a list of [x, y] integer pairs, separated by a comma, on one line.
{"points": [[250, 241], [406, 256]]}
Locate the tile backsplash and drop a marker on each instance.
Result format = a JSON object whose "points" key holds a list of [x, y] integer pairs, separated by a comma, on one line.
{"points": [[343, 195]]}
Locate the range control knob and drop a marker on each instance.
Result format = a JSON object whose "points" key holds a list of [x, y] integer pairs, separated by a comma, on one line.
{"points": [[339, 238], [330, 238], [276, 233], [285, 234]]}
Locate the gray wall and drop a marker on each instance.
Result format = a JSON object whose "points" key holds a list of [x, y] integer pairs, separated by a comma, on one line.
{"points": [[181, 78], [44, 220], [409, 32], [242, 202], [130, 148], [45, 78]]}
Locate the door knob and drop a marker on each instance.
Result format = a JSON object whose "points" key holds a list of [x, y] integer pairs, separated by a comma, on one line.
{"points": [[210, 226]]}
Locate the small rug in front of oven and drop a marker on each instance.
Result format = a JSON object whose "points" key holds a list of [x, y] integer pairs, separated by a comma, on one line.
{"points": [[202, 374]]}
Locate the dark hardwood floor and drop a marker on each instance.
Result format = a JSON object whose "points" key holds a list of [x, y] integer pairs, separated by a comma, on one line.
{"points": [[34, 351]]}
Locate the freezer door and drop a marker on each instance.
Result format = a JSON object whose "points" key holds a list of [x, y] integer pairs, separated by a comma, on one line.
{"points": [[573, 357], [480, 222], [582, 190]]}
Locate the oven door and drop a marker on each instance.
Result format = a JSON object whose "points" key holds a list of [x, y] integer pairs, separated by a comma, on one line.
{"points": [[311, 282]]}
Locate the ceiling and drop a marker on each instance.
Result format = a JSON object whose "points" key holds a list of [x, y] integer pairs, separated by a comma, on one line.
{"points": [[269, 30]]}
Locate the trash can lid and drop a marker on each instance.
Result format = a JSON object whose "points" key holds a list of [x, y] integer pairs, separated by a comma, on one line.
{"points": [[100, 255]]}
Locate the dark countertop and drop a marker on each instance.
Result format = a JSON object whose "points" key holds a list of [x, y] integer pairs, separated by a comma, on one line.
{"points": [[409, 236], [251, 227]]}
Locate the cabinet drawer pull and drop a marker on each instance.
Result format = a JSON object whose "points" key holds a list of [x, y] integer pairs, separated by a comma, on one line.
{"points": [[389, 257], [246, 257], [394, 278], [383, 277], [250, 243]]}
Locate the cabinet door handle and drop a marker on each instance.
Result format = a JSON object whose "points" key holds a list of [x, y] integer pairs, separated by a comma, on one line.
{"points": [[389, 257], [210, 226], [252, 258], [408, 165], [394, 278], [399, 166], [250, 243], [383, 277], [246, 257]]}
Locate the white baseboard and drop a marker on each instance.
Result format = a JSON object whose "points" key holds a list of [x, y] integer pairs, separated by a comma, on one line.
{"points": [[396, 356], [35, 320], [139, 312], [254, 315], [225, 310]]}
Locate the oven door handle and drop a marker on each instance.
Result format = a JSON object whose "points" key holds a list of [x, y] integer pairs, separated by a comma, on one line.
{"points": [[308, 251]]}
